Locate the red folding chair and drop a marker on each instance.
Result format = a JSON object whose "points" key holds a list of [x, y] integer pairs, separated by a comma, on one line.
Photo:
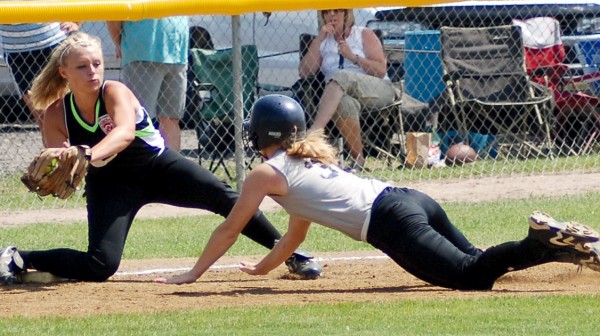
{"points": [[577, 122]]}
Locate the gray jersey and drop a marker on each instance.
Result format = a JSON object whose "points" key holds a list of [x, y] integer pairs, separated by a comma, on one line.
{"points": [[327, 195]]}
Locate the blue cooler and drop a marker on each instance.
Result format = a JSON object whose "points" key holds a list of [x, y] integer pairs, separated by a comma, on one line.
{"points": [[588, 52], [423, 65]]}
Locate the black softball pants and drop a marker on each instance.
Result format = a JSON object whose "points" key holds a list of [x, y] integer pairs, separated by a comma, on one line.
{"points": [[413, 229], [113, 201]]}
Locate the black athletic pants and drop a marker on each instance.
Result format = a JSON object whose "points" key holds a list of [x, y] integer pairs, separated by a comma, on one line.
{"points": [[414, 230], [113, 202]]}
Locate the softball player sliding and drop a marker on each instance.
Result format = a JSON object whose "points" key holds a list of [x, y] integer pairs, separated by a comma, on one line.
{"points": [[301, 174]]}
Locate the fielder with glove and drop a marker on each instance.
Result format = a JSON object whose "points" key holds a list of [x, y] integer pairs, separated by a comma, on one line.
{"points": [[129, 167]]}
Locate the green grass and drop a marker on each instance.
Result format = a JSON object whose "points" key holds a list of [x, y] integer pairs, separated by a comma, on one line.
{"points": [[548, 315], [14, 196], [484, 223]]}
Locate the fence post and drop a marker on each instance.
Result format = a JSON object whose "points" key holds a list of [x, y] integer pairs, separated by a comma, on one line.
{"points": [[238, 99]]}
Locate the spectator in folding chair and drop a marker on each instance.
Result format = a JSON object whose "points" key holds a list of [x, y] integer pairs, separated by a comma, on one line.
{"points": [[27, 48], [353, 63], [154, 57]]}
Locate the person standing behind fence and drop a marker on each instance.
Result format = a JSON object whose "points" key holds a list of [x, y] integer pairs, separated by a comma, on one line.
{"points": [[355, 68], [154, 56], [27, 48]]}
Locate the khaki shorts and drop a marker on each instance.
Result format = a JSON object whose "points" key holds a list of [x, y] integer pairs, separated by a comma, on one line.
{"points": [[160, 87], [362, 92]]}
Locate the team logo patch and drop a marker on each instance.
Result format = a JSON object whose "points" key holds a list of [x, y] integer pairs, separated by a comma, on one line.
{"points": [[106, 124]]}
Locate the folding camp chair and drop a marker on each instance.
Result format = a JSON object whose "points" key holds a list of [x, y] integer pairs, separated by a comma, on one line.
{"points": [[382, 129], [577, 123], [200, 38], [490, 92], [213, 71]]}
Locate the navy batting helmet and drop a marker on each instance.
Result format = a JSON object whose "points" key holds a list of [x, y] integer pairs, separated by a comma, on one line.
{"points": [[275, 118]]}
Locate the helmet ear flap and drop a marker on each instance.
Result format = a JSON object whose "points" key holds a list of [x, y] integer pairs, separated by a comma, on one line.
{"points": [[249, 136], [246, 136]]}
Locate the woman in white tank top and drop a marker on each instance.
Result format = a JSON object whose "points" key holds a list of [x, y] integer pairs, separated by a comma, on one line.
{"points": [[354, 65]]}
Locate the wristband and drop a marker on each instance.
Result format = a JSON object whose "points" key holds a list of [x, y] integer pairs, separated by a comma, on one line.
{"points": [[357, 59], [87, 152]]}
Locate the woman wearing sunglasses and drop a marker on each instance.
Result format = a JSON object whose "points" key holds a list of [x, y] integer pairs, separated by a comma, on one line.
{"points": [[354, 66]]}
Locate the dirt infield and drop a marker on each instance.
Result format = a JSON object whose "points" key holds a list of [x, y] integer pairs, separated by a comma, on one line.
{"points": [[374, 277]]}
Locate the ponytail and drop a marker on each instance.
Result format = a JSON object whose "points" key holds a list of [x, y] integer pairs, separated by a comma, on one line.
{"points": [[313, 146]]}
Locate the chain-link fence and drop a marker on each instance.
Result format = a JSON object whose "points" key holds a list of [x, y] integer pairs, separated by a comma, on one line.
{"points": [[522, 94]]}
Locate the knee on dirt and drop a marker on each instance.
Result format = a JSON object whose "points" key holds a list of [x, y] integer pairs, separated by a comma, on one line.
{"points": [[102, 268]]}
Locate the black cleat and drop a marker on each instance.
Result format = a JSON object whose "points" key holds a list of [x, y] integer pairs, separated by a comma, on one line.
{"points": [[557, 234], [592, 261], [589, 259], [304, 266], [11, 264]]}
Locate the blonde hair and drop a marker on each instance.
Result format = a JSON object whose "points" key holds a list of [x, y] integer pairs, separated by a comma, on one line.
{"points": [[313, 146], [49, 85], [349, 19]]}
